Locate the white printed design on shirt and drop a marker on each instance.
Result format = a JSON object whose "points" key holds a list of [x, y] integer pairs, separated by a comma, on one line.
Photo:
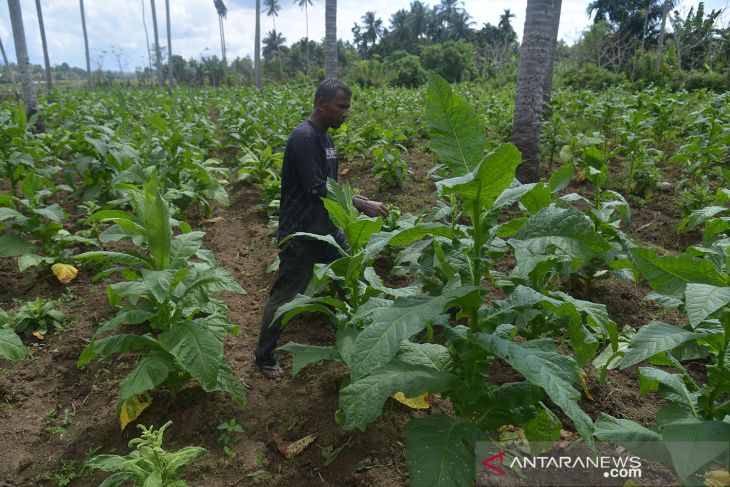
{"points": [[330, 153]]}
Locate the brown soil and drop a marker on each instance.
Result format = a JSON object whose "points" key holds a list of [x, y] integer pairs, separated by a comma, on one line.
{"points": [[54, 414]]}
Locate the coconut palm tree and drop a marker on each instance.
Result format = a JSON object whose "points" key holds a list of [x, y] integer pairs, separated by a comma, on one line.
{"points": [[257, 48], [330, 38], [531, 72], [373, 28], [21, 52], [89, 81], [169, 44], [272, 10], [304, 4], [220, 7], [49, 82], [158, 55]]}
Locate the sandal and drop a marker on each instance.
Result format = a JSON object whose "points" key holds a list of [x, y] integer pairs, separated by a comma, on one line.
{"points": [[272, 372]]}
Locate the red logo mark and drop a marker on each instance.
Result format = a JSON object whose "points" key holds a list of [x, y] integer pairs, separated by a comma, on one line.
{"points": [[488, 462]]}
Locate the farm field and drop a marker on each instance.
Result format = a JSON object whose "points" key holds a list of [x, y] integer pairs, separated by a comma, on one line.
{"points": [[592, 305]]}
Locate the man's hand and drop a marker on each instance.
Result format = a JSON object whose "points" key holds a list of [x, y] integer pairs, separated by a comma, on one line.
{"points": [[369, 207]]}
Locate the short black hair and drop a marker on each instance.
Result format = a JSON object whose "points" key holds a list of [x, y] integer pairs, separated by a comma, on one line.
{"points": [[328, 88]]}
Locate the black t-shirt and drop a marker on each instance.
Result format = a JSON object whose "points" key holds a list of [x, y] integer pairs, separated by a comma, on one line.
{"points": [[309, 159]]}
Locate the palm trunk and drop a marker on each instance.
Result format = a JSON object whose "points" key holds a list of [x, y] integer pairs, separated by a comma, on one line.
{"points": [[158, 56], [662, 30], [306, 49], [11, 76], [278, 54], [547, 87], [330, 39], [49, 82], [147, 40], [257, 48], [170, 77], [223, 48], [531, 72], [21, 52], [89, 81]]}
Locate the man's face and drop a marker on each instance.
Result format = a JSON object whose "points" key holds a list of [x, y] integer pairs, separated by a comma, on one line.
{"points": [[335, 110]]}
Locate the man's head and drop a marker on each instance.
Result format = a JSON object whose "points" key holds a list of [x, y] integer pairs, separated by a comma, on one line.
{"points": [[332, 102]]}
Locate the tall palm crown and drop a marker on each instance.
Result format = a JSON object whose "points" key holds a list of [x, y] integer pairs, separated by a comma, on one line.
{"points": [[220, 7], [304, 4]]}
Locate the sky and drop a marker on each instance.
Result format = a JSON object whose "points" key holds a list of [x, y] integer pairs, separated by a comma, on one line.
{"points": [[117, 37]]}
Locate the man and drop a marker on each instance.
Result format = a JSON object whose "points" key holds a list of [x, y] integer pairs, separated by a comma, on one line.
{"points": [[309, 159]]}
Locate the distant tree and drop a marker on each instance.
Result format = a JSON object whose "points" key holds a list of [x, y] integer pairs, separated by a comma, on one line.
{"points": [[11, 76], [693, 36], [89, 82], [531, 72], [272, 10], [21, 52], [372, 30], [49, 81], [330, 39], [505, 26]]}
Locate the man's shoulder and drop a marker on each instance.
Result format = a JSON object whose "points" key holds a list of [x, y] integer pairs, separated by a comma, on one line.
{"points": [[304, 129]]}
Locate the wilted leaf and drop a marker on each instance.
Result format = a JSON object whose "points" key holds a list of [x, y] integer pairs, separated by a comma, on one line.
{"points": [[38, 335], [130, 409], [717, 478], [418, 402], [64, 272], [290, 450], [215, 219], [584, 379]]}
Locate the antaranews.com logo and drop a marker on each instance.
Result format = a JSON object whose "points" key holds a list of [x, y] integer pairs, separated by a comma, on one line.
{"points": [[547, 467]]}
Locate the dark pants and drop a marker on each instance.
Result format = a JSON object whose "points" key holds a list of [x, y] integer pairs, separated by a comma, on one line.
{"points": [[296, 263]]}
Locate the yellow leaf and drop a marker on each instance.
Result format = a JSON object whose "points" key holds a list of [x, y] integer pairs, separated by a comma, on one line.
{"points": [[717, 478], [290, 450], [38, 335], [130, 409], [418, 402], [584, 379], [64, 272]]}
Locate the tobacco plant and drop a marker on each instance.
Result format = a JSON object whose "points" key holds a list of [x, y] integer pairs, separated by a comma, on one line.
{"points": [[167, 292]]}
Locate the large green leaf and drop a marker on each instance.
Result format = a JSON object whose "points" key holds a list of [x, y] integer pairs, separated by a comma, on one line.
{"points": [[125, 316], [12, 245], [309, 354], [159, 283], [427, 354], [670, 274], [362, 400], [440, 451], [554, 372], [650, 379], [693, 445], [701, 300], [229, 383], [308, 304], [121, 258], [488, 180], [196, 349], [213, 280], [155, 219], [11, 347], [150, 371], [380, 341], [653, 338], [457, 135], [184, 246], [123, 343], [632, 436], [566, 228], [512, 403]]}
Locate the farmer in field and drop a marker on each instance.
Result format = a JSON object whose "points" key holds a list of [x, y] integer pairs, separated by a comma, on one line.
{"points": [[309, 159]]}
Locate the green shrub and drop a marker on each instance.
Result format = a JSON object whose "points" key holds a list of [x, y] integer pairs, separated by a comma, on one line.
{"points": [[409, 72], [591, 77]]}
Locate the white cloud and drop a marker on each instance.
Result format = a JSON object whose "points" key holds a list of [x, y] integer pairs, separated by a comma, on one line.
{"points": [[118, 24]]}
